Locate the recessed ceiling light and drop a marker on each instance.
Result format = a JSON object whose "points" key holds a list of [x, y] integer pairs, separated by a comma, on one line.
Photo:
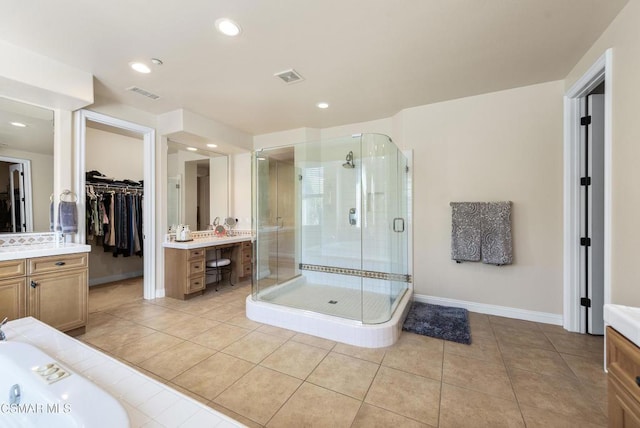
{"points": [[212, 145], [140, 67], [192, 149], [227, 27], [19, 124], [322, 105]]}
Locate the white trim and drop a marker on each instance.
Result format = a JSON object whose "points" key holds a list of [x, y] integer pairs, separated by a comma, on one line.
{"points": [[599, 71], [149, 202], [501, 311], [112, 278]]}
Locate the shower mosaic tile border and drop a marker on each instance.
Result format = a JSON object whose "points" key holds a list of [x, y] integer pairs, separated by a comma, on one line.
{"points": [[206, 234], [357, 272], [20, 239]]}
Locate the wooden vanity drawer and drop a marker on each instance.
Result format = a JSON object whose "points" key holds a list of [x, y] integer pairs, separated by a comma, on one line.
{"points": [[57, 263], [196, 284], [196, 254], [196, 267], [623, 362], [12, 268]]}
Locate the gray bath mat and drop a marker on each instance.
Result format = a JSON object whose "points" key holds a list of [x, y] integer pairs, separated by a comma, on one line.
{"points": [[442, 322]]}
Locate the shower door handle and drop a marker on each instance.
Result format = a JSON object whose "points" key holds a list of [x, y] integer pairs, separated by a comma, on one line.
{"points": [[352, 216], [398, 224]]}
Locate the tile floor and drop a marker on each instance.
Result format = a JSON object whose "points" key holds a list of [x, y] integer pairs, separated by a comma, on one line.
{"points": [[515, 373]]}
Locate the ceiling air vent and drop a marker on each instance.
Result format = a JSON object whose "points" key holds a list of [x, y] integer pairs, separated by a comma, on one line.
{"points": [[143, 92], [289, 76]]}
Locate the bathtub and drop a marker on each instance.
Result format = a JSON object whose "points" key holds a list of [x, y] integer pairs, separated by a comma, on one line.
{"points": [[51, 395]]}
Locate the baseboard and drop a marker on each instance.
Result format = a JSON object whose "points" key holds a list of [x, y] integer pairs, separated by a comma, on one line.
{"points": [[159, 293], [112, 278], [501, 311]]}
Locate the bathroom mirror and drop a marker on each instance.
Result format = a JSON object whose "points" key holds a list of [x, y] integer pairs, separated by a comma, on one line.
{"points": [[26, 167], [197, 186]]}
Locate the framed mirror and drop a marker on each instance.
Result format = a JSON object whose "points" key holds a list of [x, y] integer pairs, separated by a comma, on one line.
{"points": [[26, 167], [197, 186]]}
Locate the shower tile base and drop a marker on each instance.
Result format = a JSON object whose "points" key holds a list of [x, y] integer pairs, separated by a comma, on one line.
{"points": [[343, 330]]}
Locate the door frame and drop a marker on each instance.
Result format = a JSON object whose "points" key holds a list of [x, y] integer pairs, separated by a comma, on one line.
{"points": [[28, 188], [149, 203], [600, 71]]}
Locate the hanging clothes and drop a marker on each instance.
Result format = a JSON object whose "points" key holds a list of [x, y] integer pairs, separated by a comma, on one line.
{"points": [[114, 219]]}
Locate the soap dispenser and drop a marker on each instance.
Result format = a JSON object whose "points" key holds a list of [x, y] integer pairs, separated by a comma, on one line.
{"points": [[187, 233]]}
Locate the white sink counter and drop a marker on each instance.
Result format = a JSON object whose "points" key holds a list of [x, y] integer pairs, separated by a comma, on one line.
{"points": [[41, 250], [205, 242], [625, 319]]}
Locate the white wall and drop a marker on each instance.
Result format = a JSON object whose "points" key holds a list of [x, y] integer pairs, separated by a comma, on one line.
{"points": [[623, 35]]}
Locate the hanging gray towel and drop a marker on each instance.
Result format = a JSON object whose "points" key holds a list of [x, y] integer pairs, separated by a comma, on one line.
{"points": [[51, 220], [496, 247], [67, 217], [466, 235]]}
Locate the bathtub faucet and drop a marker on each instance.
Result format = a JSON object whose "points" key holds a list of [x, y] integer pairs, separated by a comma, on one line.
{"points": [[3, 337]]}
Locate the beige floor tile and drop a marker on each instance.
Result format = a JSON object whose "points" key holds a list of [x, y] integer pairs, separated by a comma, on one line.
{"points": [[374, 417], [586, 369], [295, 359], [482, 348], [138, 311], [512, 336], [479, 325], [412, 396], [536, 360], [146, 347], [190, 327], [241, 320], [579, 344], [223, 313], [189, 393], [165, 319], [100, 323], [247, 398], [276, 331], [318, 342], [313, 406], [170, 363], [416, 354], [213, 375], [115, 294], [513, 323], [344, 374], [556, 394], [598, 393], [482, 376], [460, 408], [543, 418], [116, 338], [375, 355], [246, 421], [220, 336], [254, 347]]}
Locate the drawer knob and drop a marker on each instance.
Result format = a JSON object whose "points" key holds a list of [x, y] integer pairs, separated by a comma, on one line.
{"points": [[638, 380], [34, 284], [60, 263]]}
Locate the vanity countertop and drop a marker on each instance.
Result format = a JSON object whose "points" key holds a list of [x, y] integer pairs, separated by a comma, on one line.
{"points": [[625, 319], [41, 250], [206, 242]]}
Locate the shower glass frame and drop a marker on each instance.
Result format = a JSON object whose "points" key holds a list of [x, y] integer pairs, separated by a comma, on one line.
{"points": [[337, 228]]}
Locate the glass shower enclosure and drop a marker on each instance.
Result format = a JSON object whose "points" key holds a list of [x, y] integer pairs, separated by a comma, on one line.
{"points": [[331, 227]]}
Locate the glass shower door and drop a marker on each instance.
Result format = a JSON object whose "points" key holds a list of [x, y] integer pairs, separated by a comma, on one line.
{"points": [[384, 246]]}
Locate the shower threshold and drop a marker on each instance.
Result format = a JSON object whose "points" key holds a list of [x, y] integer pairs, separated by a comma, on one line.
{"points": [[329, 320]]}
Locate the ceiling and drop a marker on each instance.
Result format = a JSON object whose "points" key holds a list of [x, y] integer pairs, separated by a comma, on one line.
{"points": [[368, 59]]}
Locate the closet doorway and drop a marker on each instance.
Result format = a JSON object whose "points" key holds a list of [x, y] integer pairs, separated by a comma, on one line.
{"points": [[89, 125]]}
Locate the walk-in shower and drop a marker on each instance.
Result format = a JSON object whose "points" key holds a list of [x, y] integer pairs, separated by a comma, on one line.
{"points": [[332, 243]]}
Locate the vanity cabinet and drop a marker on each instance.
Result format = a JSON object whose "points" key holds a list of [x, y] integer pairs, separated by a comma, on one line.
{"points": [[52, 289], [184, 272], [623, 380], [244, 261]]}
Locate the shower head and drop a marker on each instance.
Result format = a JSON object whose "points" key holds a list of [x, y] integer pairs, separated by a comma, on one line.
{"points": [[349, 161]]}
